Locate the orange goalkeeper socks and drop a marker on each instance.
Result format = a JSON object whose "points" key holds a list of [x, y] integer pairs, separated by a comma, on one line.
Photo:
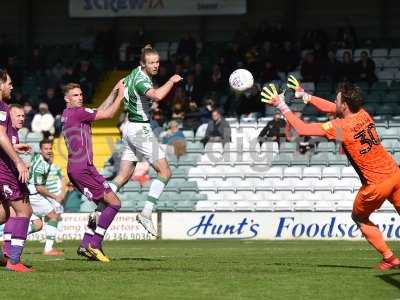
{"points": [[375, 238]]}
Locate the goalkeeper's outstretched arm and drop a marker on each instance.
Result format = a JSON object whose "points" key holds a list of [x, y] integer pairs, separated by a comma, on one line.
{"points": [[319, 103], [322, 104]]}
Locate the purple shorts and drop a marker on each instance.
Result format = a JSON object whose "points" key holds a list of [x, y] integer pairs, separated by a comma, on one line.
{"points": [[11, 189], [89, 182]]}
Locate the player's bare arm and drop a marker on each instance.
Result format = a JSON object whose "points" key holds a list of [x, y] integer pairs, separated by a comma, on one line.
{"points": [[270, 95], [160, 93], [111, 97], [319, 103], [41, 189], [5, 143], [23, 148], [110, 111]]}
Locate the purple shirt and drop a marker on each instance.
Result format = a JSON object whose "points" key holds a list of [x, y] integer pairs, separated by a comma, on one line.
{"points": [[5, 120], [76, 124]]}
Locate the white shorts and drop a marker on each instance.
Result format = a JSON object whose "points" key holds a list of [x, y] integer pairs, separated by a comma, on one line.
{"points": [[57, 206], [34, 217], [140, 143], [41, 206]]}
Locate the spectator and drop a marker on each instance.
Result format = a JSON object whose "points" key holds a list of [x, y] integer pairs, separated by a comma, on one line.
{"points": [[29, 114], [366, 68], [348, 69], [272, 131], [43, 121], [174, 137], [302, 143], [217, 84], [206, 110], [192, 91], [310, 69], [68, 76], [178, 113], [331, 67], [192, 116], [287, 58], [218, 130], [269, 73], [55, 102], [187, 46]]}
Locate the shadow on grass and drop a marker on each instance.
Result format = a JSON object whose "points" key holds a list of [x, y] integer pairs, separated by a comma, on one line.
{"points": [[389, 278], [345, 267], [120, 259], [318, 266]]}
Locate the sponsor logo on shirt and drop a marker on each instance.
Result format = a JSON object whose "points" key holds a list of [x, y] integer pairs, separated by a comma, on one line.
{"points": [[3, 116]]}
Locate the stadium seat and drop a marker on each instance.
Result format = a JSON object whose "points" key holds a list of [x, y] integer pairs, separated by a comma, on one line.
{"points": [[357, 53], [263, 205], [303, 205], [312, 172], [379, 52], [224, 205], [340, 53], [282, 205], [343, 205], [292, 172], [324, 205], [331, 172], [349, 172], [287, 147], [395, 52], [205, 206], [244, 205], [274, 172], [326, 147]]}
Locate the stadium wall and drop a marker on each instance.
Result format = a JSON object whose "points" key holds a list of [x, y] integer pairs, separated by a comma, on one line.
{"points": [[50, 23], [236, 225]]}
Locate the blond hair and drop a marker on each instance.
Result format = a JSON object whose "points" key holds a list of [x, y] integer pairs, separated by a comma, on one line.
{"points": [[146, 50]]}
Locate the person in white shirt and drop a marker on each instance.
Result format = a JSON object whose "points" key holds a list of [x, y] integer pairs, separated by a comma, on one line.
{"points": [[43, 121]]}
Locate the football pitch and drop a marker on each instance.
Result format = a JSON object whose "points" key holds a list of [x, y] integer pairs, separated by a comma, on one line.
{"points": [[207, 269]]}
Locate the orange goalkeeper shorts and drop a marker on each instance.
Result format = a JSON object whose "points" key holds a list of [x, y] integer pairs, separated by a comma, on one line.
{"points": [[371, 197]]}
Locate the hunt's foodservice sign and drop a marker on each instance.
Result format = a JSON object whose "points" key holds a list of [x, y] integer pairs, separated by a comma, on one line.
{"points": [[147, 8], [273, 225]]}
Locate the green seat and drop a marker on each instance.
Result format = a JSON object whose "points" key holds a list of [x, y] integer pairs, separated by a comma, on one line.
{"points": [[73, 201]]}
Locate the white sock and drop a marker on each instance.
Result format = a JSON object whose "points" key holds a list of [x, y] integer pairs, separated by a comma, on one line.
{"points": [[49, 245], [50, 228], [148, 209], [156, 188]]}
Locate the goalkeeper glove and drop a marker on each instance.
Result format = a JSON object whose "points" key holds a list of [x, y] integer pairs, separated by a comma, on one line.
{"points": [[299, 92], [269, 95]]}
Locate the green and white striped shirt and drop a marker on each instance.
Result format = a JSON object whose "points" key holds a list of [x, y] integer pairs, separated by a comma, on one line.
{"points": [[137, 104], [38, 173], [54, 180]]}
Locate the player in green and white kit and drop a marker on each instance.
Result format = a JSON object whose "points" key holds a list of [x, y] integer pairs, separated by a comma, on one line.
{"points": [[40, 197], [139, 141], [55, 184]]}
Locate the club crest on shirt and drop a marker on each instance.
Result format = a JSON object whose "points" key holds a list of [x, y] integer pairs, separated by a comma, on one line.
{"points": [[7, 191], [87, 193], [326, 126], [13, 139], [3, 116]]}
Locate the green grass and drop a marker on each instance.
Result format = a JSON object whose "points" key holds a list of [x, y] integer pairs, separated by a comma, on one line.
{"points": [[208, 270]]}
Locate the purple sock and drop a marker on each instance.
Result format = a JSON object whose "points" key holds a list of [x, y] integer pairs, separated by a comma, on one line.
{"points": [[7, 236], [87, 237], [105, 220], [18, 238]]}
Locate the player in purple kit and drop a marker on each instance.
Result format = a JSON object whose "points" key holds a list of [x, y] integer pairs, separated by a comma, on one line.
{"points": [[13, 176], [76, 121]]}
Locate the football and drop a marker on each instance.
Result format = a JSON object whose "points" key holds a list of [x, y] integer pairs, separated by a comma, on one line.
{"points": [[241, 80]]}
